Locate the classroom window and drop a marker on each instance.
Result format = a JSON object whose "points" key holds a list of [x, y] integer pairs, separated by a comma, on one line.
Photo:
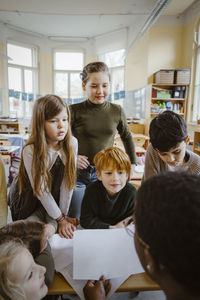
{"points": [[196, 103], [22, 79], [67, 69], [115, 61]]}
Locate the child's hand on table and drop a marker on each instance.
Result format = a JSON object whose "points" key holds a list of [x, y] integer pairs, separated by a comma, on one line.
{"points": [[123, 223], [97, 289], [66, 229], [118, 225]]}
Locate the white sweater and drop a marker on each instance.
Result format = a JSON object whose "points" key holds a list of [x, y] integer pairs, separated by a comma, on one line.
{"points": [[154, 164], [46, 198]]}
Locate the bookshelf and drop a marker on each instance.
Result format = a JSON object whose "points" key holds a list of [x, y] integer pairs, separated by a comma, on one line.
{"points": [[10, 127]]}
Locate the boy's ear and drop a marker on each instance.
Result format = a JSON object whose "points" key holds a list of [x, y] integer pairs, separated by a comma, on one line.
{"points": [[99, 175], [83, 86], [151, 265], [187, 140]]}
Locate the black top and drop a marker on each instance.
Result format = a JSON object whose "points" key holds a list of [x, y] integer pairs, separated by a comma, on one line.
{"points": [[98, 211]]}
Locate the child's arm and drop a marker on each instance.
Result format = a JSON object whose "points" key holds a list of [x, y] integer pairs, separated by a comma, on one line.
{"points": [[97, 290], [152, 163], [46, 197], [126, 137], [65, 228]]}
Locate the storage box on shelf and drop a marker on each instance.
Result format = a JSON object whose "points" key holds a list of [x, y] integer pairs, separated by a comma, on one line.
{"points": [[164, 76], [182, 76], [11, 127]]}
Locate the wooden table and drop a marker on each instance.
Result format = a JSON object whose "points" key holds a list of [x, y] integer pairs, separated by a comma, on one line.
{"points": [[135, 283], [8, 150]]}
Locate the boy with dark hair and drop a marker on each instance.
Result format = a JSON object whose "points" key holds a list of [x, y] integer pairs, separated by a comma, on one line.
{"points": [[167, 150], [167, 239], [108, 202]]}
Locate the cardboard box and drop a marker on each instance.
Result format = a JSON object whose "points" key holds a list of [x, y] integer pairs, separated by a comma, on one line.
{"points": [[182, 76], [164, 76]]}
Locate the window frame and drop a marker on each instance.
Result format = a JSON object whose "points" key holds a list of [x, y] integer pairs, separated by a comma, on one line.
{"points": [[196, 104], [112, 70], [22, 68], [69, 72]]}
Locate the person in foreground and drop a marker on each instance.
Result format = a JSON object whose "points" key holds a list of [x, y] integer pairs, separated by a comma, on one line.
{"points": [[108, 203], [167, 150], [32, 234], [20, 281], [167, 240]]}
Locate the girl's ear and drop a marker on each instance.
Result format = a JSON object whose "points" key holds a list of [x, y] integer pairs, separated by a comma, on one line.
{"points": [[187, 140], [83, 86]]}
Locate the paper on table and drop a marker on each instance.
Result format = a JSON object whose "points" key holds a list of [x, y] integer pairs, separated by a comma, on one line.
{"points": [[104, 252], [78, 285], [62, 251]]}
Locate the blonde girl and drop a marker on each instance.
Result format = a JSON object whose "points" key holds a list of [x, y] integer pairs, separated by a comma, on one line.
{"points": [[47, 168], [20, 281]]}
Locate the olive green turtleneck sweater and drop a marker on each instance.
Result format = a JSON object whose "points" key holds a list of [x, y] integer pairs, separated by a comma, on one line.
{"points": [[95, 125]]}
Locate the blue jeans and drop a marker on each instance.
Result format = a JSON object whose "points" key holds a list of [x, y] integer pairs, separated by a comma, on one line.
{"points": [[84, 177]]}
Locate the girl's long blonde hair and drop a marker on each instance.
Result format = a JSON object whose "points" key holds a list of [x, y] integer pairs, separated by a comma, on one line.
{"points": [[45, 108], [9, 290]]}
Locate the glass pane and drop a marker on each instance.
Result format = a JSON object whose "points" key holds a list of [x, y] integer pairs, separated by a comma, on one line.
{"points": [[196, 106], [20, 55], [61, 84], [16, 107], [68, 61], [75, 86], [28, 81], [117, 80], [29, 109], [114, 59], [197, 77], [14, 79]]}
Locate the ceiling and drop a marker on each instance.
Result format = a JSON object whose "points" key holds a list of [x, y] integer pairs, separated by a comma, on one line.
{"points": [[80, 18]]}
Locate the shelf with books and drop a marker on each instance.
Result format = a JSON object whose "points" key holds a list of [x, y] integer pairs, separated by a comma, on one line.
{"points": [[168, 96]]}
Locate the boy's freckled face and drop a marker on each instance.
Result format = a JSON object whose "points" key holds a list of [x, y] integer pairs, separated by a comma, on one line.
{"points": [[175, 156], [113, 180]]}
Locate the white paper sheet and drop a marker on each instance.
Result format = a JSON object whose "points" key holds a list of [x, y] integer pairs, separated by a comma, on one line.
{"points": [[62, 251], [104, 252], [78, 285]]}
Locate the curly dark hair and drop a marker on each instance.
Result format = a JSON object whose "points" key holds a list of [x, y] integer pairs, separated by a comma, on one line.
{"points": [[93, 67], [167, 216], [167, 130]]}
